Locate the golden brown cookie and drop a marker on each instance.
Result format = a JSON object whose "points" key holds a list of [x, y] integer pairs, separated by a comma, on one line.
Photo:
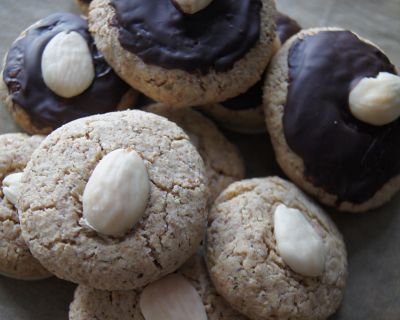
{"points": [[272, 253], [82, 185]]}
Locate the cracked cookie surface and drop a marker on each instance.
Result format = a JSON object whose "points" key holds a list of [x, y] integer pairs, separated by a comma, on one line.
{"points": [[244, 263], [169, 231], [90, 303], [222, 159], [16, 260]]}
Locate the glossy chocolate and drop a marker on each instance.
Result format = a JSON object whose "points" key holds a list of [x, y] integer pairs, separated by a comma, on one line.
{"points": [[213, 38], [24, 79], [251, 99], [341, 154], [286, 27]]}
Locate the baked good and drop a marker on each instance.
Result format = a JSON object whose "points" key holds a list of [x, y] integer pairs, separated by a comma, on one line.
{"points": [[53, 74], [244, 113], [321, 140], [222, 159], [16, 260], [185, 59], [272, 253], [90, 303], [114, 201]]}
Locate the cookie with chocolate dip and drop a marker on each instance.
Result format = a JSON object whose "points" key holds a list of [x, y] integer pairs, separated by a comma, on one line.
{"points": [[186, 53], [83, 5], [332, 114], [244, 113], [53, 74]]}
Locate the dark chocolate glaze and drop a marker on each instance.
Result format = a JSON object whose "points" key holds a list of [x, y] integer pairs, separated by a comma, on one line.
{"points": [[286, 27], [23, 76], [251, 99], [213, 38], [341, 154]]}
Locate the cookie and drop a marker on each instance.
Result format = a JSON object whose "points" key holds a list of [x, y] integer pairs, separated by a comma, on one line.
{"points": [[185, 59], [272, 253], [90, 303], [114, 201], [53, 74], [319, 142], [83, 5], [222, 159], [244, 113], [16, 260]]}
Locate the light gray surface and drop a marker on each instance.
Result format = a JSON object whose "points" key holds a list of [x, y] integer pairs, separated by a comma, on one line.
{"points": [[373, 239]]}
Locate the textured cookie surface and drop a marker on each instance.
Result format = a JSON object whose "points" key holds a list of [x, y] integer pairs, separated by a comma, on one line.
{"points": [[167, 234], [277, 84], [222, 159], [244, 263], [15, 258], [90, 303], [175, 86]]}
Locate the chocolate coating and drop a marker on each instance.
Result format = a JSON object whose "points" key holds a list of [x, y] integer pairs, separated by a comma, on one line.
{"points": [[286, 27], [251, 99], [23, 76], [341, 154], [213, 38]]}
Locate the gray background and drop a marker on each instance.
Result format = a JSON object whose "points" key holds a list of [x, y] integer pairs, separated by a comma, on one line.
{"points": [[373, 239]]}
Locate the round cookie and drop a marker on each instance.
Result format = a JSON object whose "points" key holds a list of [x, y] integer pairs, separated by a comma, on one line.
{"points": [[90, 303], [222, 159], [244, 113], [182, 59], [16, 260], [83, 5], [168, 230], [250, 272], [342, 161], [53, 74]]}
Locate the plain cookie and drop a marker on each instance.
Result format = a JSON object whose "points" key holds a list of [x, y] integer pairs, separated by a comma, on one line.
{"points": [[246, 267], [167, 234], [16, 261], [90, 304]]}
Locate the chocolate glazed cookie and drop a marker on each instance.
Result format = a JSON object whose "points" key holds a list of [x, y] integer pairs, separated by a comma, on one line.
{"points": [[53, 74], [184, 59], [244, 113], [321, 141]]}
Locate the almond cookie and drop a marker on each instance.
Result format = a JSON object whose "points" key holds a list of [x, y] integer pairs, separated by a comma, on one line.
{"points": [[16, 260], [114, 201], [244, 113], [334, 126], [126, 305], [186, 54], [53, 74], [274, 254], [222, 159]]}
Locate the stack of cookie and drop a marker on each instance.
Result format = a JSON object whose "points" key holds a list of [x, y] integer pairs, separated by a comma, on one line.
{"points": [[147, 210]]}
